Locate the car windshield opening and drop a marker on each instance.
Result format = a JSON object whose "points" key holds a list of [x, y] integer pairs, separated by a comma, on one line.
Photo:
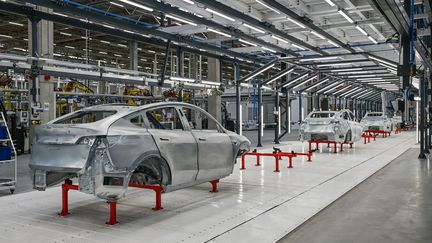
{"points": [[83, 117], [322, 115], [374, 114]]}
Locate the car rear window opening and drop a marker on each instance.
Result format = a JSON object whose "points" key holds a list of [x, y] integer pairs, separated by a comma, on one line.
{"points": [[83, 117]]}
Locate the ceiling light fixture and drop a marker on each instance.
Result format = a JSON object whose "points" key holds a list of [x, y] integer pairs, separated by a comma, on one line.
{"points": [[297, 23], [298, 47], [15, 23], [116, 4], [330, 3], [318, 35], [219, 14], [317, 59], [279, 39], [296, 79], [268, 49], [372, 39], [219, 32], [333, 43], [318, 83], [254, 28], [383, 61], [180, 19], [279, 76], [341, 12], [361, 30], [247, 42], [305, 81], [267, 6], [137, 5]]}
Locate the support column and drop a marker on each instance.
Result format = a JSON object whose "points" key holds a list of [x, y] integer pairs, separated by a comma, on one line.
{"points": [[260, 118], [215, 100], [238, 97], [41, 36], [133, 55], [276, 117], [422, 118]]}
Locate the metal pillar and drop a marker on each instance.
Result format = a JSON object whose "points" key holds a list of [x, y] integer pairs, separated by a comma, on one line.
{"points": [[300, 107], [422, 118], [238, 97], [260, 118], [276, 117]]}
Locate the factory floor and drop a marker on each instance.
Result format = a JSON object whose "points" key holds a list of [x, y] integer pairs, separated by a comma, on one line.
{"points": [[392, 206], [252, 205]]}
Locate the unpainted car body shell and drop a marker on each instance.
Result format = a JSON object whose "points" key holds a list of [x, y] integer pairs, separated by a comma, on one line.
{"points": [[319, 126], [377, 121], [106, 154]]}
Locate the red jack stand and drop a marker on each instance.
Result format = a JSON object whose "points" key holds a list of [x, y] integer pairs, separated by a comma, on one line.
{"points": [[214, 184], [113, 213], [342, 144], [65, 197], [398, 130], [317, 142], [157, 189]]}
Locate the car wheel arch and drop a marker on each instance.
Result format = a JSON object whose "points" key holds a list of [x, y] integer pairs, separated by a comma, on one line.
{"points": [[153, 161]]}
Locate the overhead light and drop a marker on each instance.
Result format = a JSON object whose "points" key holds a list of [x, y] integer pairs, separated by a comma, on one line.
{"points": [[341, 12], [182, 79], [388, 66], [259, 72], [122, 45], [247, 42], [6, 36], [298, 47], [364, 95], [333, 43], [60, 14], [333, 86], [383, 61], [317, 59], [57, 55], [373, 83], [339, 91], [137, 5], [70, 47], [318, 35], [254, 28], [116, 4], [296, 79], [361, 30], [361, 93], [64, 33], [297, 23], [305, 81], [180, 19], [210, 83], [333, 64], [189, 1], [351, 91], [279, 39], [363, 79], [372, 39], [151, 51], [219, 14], [106, 42], [280, 76], [15, 23], [364, 75], [267, 6], [330, 3], [117, 55], [219, 32], [268, 49], [19, 49], [316, 84], [345, 69], [102, 52]]}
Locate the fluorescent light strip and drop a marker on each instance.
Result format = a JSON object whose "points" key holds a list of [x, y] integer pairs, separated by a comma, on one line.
{"points": [[341, 12], [347, 69], [316, 84], [6, 36], [330, 3], [64, 33], [280, 76], [360, 93], [303, 82], [182, 79], [219, 32], [189, 1], [339, 91], [298, 47], [267, 6], [318, 35], [297, 23], [15, 23], [362, 30], [247, 42], [116, 4], [268, 49], [106, 42], [383, 61], [70, 47], [137, 5], [296, 79], [317, 59], [373, 40], [364, 95], [219, 14], [254, 28], [333, 43], [279, 39], [362, 79], [122, 45], [210, 83], [180, 19], [333, 64], [333, 86], [259, 72], [373, 83], [351, 92], [102, 52]]}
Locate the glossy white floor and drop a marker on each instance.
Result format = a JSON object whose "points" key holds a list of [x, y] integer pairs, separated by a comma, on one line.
{"points": [[255, 205]]}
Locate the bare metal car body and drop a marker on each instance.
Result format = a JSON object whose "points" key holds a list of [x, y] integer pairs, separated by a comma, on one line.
{"points": [[161, 143], [377, 121], [339, 126]]}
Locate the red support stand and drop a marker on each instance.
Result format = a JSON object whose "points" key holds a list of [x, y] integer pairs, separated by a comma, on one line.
{"points": [[317, 142], [157, 189], [214, 184], [113, 212], [65, 197]]}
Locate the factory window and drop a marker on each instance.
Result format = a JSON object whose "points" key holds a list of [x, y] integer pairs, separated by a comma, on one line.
{"points": [[164, 118], [82, 117]]}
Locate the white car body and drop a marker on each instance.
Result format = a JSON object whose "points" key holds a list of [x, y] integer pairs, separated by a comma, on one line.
{"points": [[377, 121], [339, 126]]}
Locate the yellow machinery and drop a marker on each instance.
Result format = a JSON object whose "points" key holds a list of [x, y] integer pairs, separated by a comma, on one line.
{"points": [[74, 84], [134, 91]]}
